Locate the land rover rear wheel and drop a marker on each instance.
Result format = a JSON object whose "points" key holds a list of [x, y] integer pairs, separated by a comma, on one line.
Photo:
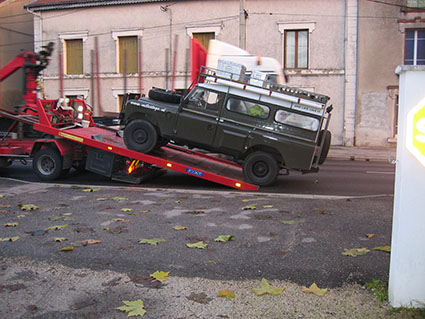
{"points": [[326, 145], [140, 135], [261, 168]]}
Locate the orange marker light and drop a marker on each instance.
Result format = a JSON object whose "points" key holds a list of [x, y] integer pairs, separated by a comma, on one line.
{"points": [[238, 185], [169, 165], [110, 148]]}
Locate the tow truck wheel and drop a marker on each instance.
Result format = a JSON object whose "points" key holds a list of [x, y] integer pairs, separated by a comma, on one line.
{"points": [[140, 136], [261, 168], [47, 164]]}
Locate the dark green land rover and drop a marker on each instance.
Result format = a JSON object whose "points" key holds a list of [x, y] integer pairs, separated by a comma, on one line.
{"points": [[265, 128]]}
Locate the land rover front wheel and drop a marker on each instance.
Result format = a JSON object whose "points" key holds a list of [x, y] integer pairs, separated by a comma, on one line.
{"points": [[261, 168], [140, 135]]}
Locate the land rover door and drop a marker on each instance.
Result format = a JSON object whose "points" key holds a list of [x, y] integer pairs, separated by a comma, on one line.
{"points": [[196, 123]]}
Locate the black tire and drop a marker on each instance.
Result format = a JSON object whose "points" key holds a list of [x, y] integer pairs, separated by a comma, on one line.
{"points": [[164, 95], [140, 136], [47, 164], [261, 168], [326, 145]]}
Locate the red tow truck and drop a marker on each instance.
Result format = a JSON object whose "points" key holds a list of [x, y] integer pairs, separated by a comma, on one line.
{"points": [[60, 134]]}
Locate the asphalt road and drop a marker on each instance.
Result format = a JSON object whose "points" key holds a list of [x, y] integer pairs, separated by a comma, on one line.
{"points": [[336, 177], [299, 238], [294, 232]]}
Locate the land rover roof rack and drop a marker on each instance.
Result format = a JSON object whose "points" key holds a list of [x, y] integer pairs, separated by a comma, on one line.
{"points": [[210, 74]]}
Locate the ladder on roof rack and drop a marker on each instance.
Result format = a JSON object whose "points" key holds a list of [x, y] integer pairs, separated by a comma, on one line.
{"points": [[216, 74]]}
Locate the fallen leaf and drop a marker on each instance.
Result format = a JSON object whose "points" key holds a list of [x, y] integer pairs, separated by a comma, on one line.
{"points": [[57, 227], [145, 211], [86, 242], [39, 232], [370, 235], [69, 248], [322, 211], [199, 298], [245, 200], [354, 252], [21, 216], [10, 238], [61, 217], [122, 220], [199, 245], [101, 199], [250, 207], [91, 190], [118, 199], [28, 207], [288, 222], [226, 293], [224, 238], [3, 211], [386, 249], [11, 224], [153, 241], [61, 206], [178, 201], [160, 275], [117, 230], [267, 206], [60, 239], [1, 195], [266, 288], [126, 210], [5, 206], [133, 308], [178, 227], [313, 289]]}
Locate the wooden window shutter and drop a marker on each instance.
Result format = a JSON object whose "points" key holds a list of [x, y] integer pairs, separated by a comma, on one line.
{"points": [[204, 38], [74, 56], [128, 47]]}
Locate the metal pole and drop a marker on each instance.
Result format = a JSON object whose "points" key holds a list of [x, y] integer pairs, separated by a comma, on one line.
{"points": [[166, 68], [242, 25], [173, 74], [60, 58], [125, 72], [93, 99], [140, 65], [99, 104]]}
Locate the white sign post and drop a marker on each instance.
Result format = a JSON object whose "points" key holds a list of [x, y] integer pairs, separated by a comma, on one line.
{"points": [[407, 266]]}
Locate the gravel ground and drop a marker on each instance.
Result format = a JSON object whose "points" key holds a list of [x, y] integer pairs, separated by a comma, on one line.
{"points": [[39, 290]]}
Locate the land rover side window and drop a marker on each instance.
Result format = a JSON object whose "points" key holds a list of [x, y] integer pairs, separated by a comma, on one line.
{"points": [[248, 108], [297, 120], [204, 99]]}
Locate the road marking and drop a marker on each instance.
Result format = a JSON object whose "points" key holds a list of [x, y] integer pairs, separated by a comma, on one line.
{"points": [[208, 192], [378, 172]]}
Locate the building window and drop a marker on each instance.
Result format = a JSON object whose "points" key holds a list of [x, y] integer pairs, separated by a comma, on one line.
{"points": [[128, 54], [204, 37], [296, 49], [74, 56], [416, 3], [415, 47]]}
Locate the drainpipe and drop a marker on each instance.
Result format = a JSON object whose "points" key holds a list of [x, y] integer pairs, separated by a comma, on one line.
{"points": [[37, 44]]}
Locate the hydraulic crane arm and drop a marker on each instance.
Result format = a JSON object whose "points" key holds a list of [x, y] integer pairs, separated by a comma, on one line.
{"points": [[33, 64]]}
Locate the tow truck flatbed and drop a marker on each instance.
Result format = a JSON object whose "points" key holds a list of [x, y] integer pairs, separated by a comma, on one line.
{"points": [[170, 157]]}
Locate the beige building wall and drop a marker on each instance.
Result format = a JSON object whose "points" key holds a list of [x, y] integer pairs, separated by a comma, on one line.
{"points": [[16, 34], [266, 24], [381, 46]]}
